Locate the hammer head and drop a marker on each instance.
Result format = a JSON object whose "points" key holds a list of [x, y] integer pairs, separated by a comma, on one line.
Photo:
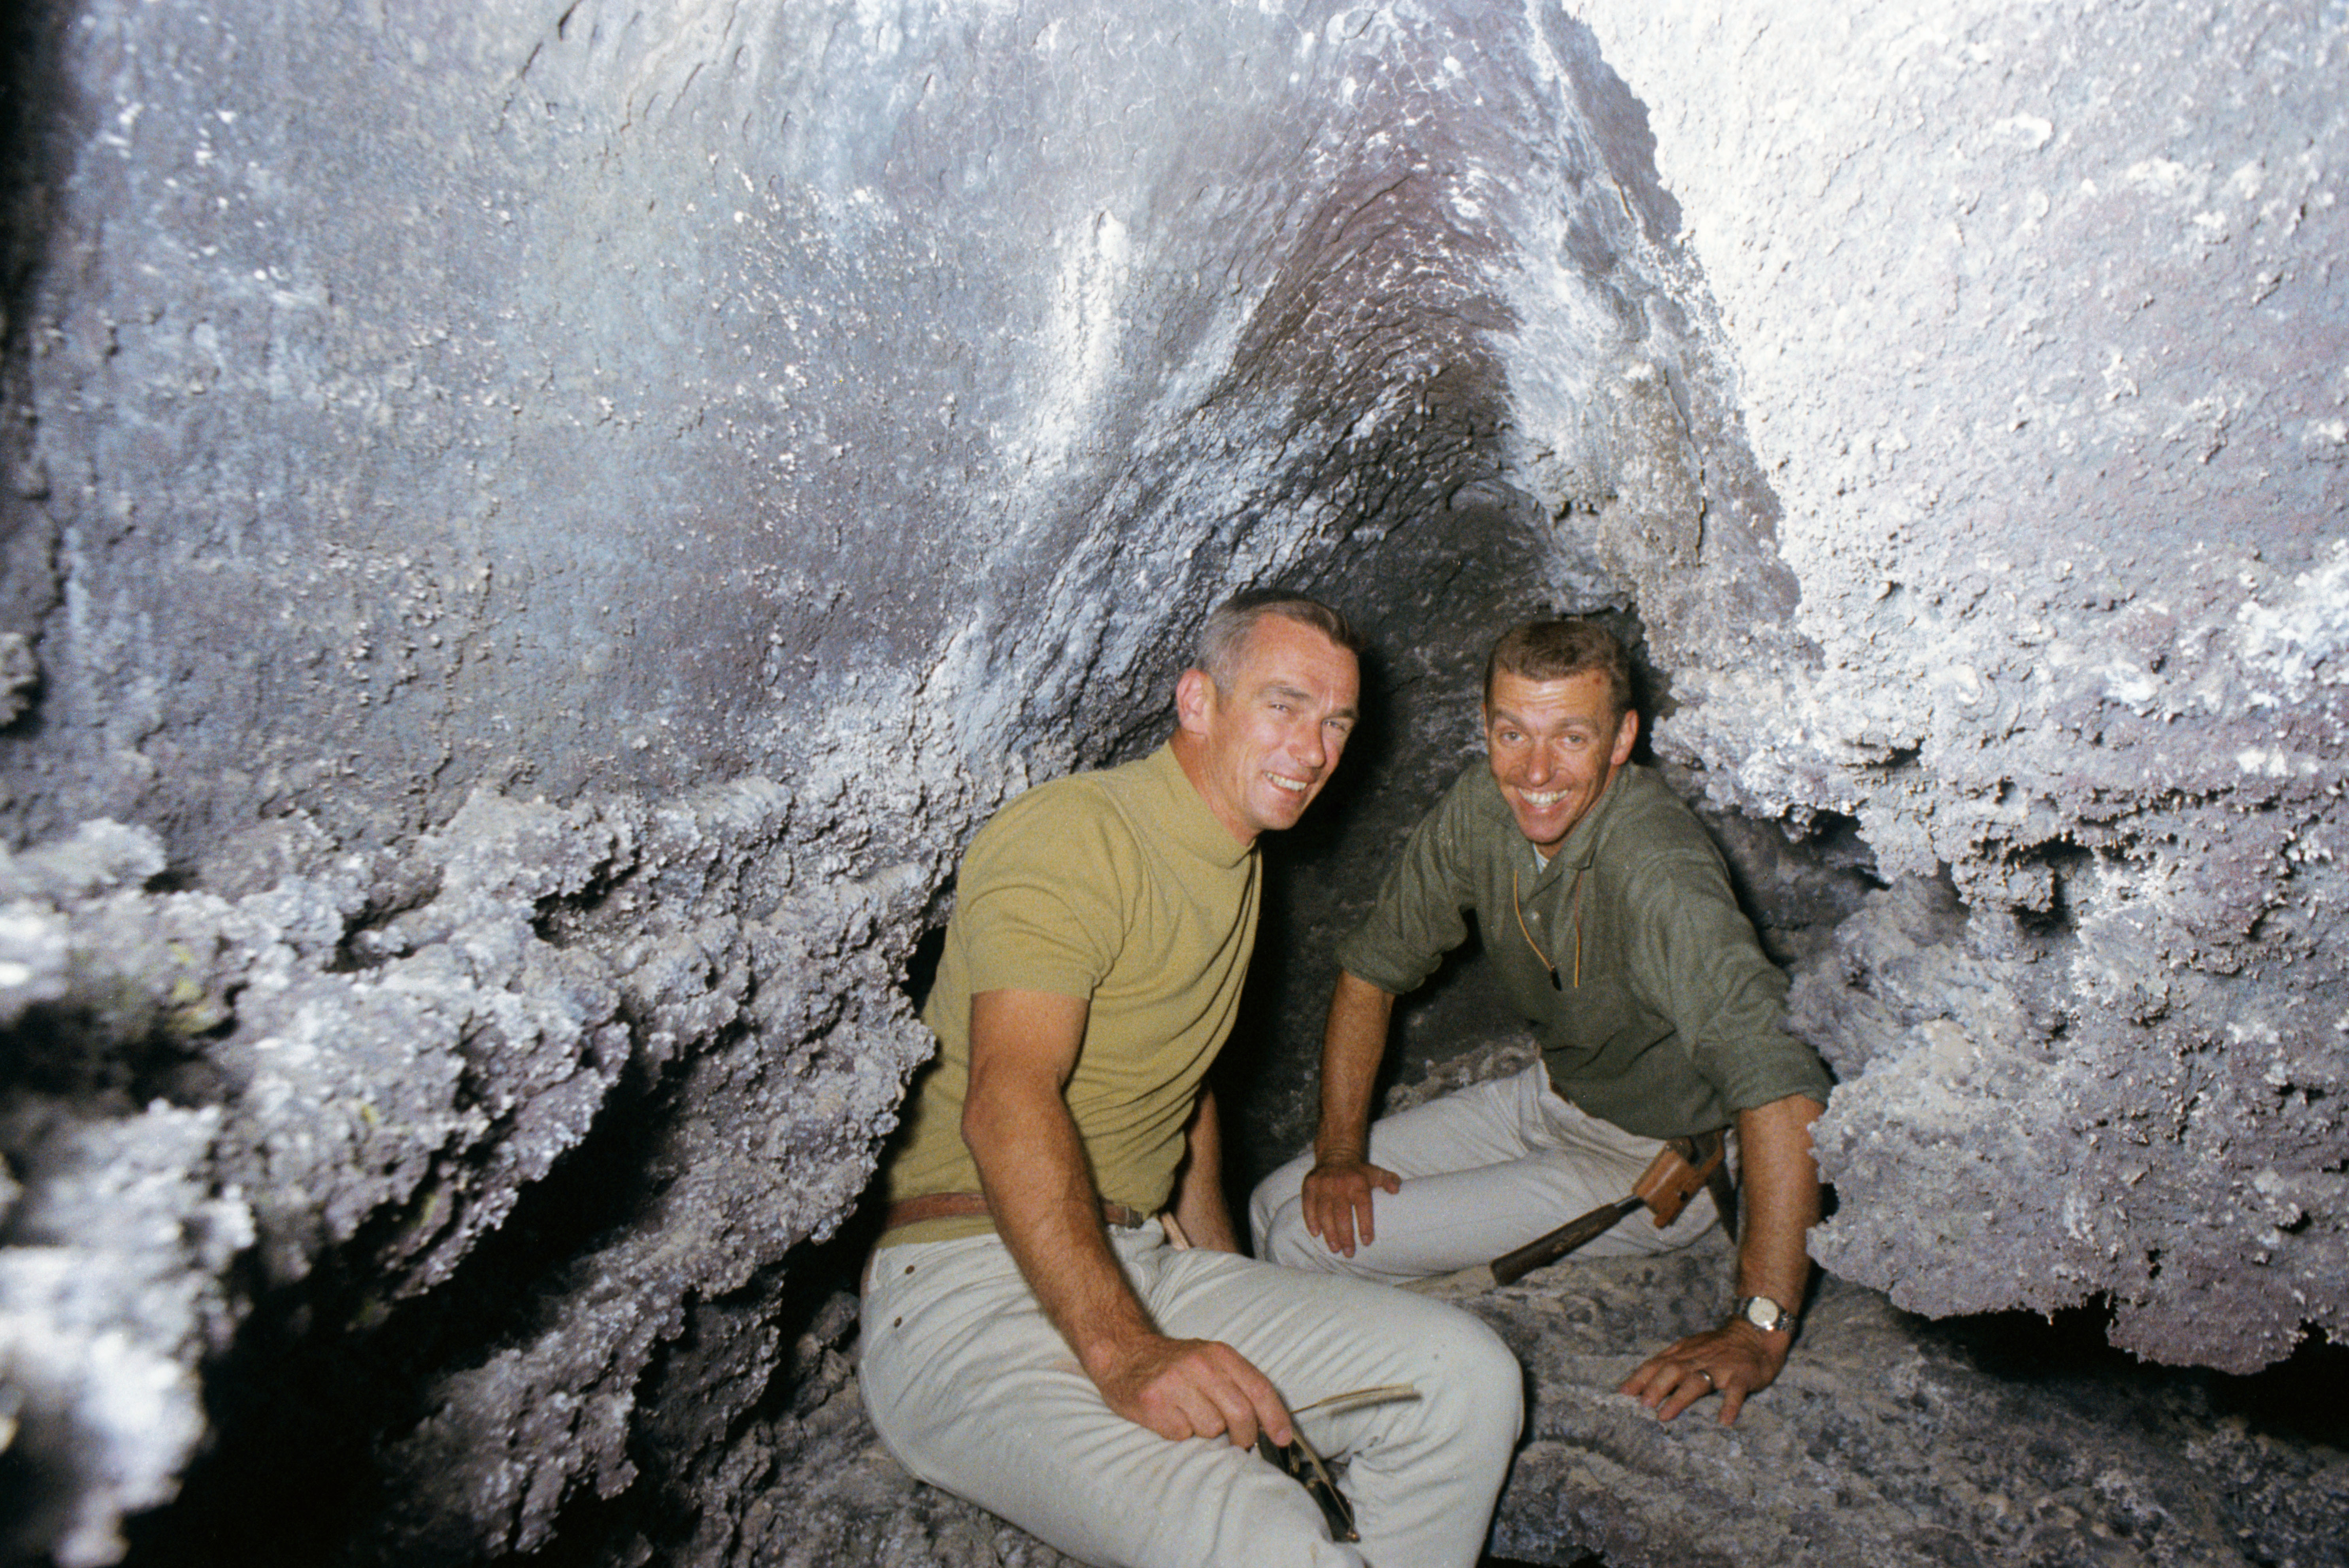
{"points": [[1678, 1173]]}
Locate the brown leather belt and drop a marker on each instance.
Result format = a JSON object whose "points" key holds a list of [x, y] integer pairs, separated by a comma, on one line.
{"points": [[963, 1205]]}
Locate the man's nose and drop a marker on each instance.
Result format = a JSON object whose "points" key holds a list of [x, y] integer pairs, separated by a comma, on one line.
{"points": [[1540, 765]]}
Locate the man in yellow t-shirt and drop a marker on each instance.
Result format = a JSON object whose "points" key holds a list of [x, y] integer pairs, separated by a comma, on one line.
{"points": [[1032, 1340]]}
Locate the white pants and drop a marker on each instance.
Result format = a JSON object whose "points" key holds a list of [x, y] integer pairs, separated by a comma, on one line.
{"points": [[1484, 1170], [973, 1390]]}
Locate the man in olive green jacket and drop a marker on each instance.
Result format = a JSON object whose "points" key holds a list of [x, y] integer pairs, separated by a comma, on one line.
{"points": [[1607, 914]]}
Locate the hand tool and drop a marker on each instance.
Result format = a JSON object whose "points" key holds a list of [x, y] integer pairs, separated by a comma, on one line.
{"points": [[1681, 1169]]}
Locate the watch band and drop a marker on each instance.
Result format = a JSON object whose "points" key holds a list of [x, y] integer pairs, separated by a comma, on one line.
{"points": [[1764, 1314]]}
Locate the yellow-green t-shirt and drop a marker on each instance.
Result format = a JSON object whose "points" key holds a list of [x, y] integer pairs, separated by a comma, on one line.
{"points": [[1120, 887]]}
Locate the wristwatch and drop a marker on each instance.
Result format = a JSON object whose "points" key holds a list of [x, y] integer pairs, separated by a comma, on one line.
{"points": [[1764, 1313]]}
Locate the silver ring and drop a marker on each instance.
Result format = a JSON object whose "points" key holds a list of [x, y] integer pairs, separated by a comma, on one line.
{"points": [[1707, 1376]]}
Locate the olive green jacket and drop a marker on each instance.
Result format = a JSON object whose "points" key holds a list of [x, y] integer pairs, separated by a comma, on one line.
{"points": [[1666, 1018]]}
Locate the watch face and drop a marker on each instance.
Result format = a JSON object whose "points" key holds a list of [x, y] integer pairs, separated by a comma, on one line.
{"points": [[1762, 1313]]}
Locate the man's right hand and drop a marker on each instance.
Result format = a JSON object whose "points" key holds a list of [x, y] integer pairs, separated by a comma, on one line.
{"points": [[1336, 1201], [1191, 1388]]}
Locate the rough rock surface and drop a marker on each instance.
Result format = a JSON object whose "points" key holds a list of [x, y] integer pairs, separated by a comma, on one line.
{"points": [[533, 532], [2043, 342], [1890, 1440]]}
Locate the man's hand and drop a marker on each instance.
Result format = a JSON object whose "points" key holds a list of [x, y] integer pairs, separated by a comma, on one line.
{"points": [[1733, 1361], [1190, 1389], [1336, 1201], [1782, 1205]]}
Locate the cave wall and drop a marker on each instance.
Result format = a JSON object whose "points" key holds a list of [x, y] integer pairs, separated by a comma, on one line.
{"points": [[536, 531], [2042, 331]]}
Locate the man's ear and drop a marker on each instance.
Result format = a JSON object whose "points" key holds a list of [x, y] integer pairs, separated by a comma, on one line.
{"points": [[1627, 734], [1194, 700]]}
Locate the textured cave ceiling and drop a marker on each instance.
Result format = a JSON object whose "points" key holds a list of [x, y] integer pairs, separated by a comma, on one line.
{"points": [[535, 529]]}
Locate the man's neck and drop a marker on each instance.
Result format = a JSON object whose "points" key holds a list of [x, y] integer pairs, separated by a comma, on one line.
{"points": [[1187, 752]]}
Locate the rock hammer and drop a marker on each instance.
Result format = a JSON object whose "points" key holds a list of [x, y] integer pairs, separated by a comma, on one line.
{"points": [[1681, 1169]]}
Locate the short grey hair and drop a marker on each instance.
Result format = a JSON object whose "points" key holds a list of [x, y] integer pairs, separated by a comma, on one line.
{"points": [[1228, 625]]}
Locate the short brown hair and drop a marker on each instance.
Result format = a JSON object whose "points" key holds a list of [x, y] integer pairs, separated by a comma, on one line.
{"points": [[1228, 628], [1554, 650]]}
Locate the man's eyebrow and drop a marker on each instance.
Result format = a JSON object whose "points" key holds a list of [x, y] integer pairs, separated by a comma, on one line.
{"points": [[1298, 694], [1571, 721]]}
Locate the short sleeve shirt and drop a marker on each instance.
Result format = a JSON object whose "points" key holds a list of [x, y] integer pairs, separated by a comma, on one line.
{"points": [[1120, 887]]}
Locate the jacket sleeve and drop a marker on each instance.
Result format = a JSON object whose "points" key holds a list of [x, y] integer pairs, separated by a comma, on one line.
{"points": [[1418, 916], [1725, 998]]}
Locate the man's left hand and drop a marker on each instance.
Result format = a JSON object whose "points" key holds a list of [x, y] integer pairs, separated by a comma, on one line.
{"points": [[1733, 1361]]}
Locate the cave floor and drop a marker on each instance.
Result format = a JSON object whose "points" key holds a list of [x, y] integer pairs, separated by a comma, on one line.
{"points": [[1890, 1439]]}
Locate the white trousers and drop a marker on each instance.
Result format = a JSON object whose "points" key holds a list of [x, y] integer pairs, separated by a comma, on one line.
{"points": [[973, 1390], [1484, 1170]]}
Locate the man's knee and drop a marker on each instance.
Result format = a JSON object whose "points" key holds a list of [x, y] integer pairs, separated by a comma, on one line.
{"points": [[1292, 1246], [1276, 1216], [1471, 1406], [1480, 1378], [1283, 1239]]}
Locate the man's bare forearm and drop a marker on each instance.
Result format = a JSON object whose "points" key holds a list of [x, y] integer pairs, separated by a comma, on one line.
{"points": [[1781, 1182], [1782, 1203], [1353, 1042], [1031, 1165], [1336, 1201]]}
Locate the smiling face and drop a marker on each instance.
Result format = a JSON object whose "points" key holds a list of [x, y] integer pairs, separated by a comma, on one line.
{"points": [[1553, 745], [1260, 750]]}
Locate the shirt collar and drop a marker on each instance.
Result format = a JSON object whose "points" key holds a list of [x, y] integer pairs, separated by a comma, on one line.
{"points": [[1183, 814]]}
